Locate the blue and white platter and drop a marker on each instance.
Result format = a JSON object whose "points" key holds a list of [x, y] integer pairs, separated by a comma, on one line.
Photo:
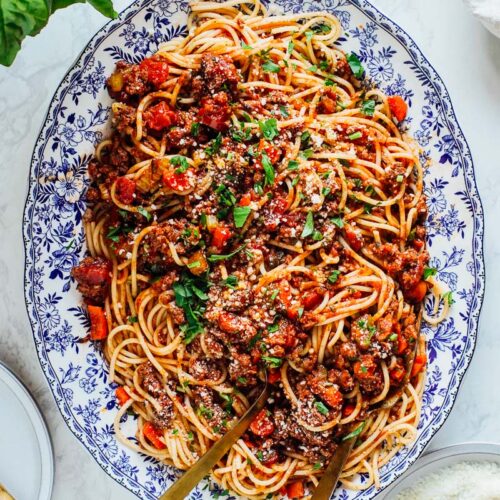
{"points": [[54, 240]]}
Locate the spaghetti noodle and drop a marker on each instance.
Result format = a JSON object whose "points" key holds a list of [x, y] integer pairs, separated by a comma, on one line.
{"points": [[257, 208]]}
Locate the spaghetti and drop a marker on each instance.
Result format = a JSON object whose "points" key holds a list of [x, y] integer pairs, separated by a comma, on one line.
{"points": [[257, 208]]}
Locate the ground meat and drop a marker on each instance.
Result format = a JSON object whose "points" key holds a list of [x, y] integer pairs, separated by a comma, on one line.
{"points": [[93, 276], [406, 266], [390, 181], [342, 378], [238, 329], [216, 73], [204, 369], [214, 348], [128, 83], [163, 418], [342, 68], [176, 313], [231, 300], [207, 407], [242, 367], [123, 118], [369, 375], [156, 256], [150, 379], [166, 281]]}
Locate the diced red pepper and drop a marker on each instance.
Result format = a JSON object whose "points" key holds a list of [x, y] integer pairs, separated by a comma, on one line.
{"points": [[398, 107], [273, 153], [220, 235], [98, 323], [245, 200], [295, 490], [273, 376], [402, 344], [312, 299], [397, 373], [153, 435], [347, 410], [354, 237], [215, 112], [418, 364], [157, 70], [160, 116], [176, 181], [262, 425], [125, 190], [418, 292], [122, 395]]}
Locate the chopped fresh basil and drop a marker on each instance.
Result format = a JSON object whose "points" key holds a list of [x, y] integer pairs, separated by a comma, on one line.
{"points": [[290, 47], [306, 154], [214, 146], [284, 111], [309, 226], [269, 173], [448, 296], [244, 46], [240, 215], [355, 65], [334, 277], [356, 432], [270, 67], [313, 68], [309, 34], [273, 328], [144, 213], [321, 407], [293, 165], [272, 361], [338, 221], [355, 135], [217, 258], [368, 107], [231, 281], [195, 129], [180, 161], [429, 271], [269, 128]]}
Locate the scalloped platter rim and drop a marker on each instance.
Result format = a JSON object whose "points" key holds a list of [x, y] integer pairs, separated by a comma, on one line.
{"points": [[53, 234]]}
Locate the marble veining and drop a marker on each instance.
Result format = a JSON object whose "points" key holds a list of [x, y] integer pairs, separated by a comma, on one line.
{"points": [[467, 58]]}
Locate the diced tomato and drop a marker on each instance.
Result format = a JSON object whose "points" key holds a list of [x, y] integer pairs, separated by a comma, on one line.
{"points": [[176, 181], [160, 116], [295, 490], [122, 395], [277, 207], [347, 410], [402, 344], [273, 376], [245, 200], [215, 112], [273, 153], [397, 373], [229, 322], [312, 299], [125, 190], [398, 107], [262, 425], [332, 396], [156, 69], [98, 323], [354, 237], [418, 292], [418, 364], [285, 298], [417, 244], [220, 235], [153, 435]]}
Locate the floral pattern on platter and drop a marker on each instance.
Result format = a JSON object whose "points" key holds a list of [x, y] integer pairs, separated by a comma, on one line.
{"points": [[54, 239]]}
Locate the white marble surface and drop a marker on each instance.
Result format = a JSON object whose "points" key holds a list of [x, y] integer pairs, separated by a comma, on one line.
{"points": [[468, 59]]}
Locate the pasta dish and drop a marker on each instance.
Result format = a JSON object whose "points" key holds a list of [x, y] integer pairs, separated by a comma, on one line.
{"points": [[256, 208]]}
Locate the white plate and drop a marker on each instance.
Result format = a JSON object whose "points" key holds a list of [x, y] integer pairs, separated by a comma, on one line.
{"points": [[432, 462], [26, 459]]}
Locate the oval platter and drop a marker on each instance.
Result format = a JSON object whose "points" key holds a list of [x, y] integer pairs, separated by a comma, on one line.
{"points": [[54, 240]]}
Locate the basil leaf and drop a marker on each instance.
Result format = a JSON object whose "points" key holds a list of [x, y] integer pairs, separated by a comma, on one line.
{"points": [[321, 407], [270, 67], [368, 107], [240, 215], [144, 213], [355, 65], [290, 47], [22, 18], [293, 165], [334, 277], [269, 128], [428, 271], [215, 146], [195, 129], [309, 226], [217, 258], [272, 361], [180, 161], [268, 170], [244, 46], [355, 432]]}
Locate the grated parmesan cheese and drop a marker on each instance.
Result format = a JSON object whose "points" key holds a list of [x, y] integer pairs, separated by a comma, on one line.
{"points": [[461, 481]]}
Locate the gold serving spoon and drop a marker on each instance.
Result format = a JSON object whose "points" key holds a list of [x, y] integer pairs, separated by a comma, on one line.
{"points": [[188, 481], [328, 482]]}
